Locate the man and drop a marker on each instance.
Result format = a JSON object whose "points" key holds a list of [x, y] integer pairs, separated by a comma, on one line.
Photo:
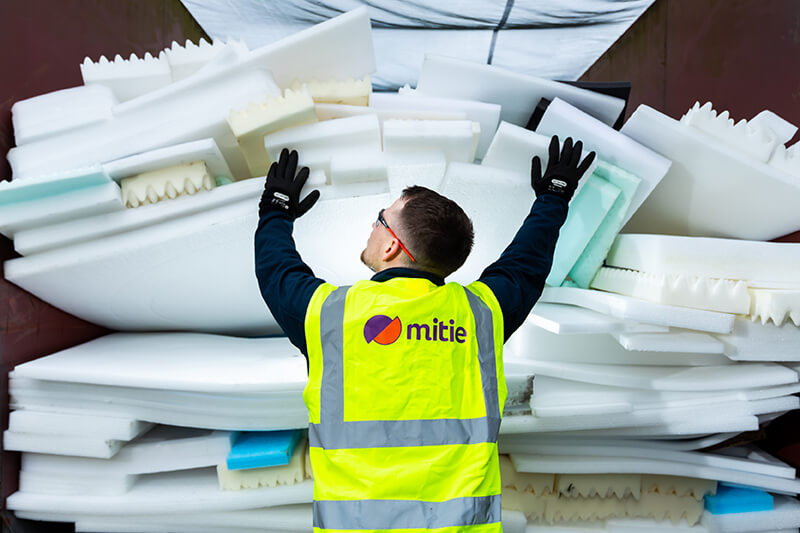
{"points": [[406, 385]]}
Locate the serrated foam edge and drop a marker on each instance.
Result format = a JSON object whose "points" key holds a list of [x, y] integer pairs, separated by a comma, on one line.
{"points": [[598, 485], [786, 159], [763, 307], [756, 141], [274, 108], [678, 486], [202, 51], [348, 91], [120, 67], [152, 187]]}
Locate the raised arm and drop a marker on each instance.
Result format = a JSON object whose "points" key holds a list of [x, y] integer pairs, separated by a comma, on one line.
{"points": [[517, 277], [285, 281]]}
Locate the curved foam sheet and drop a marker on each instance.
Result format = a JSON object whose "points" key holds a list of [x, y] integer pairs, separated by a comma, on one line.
{"points": [[174, 492], [202, 150], [760, 201], [566, 120], [628, 308], [570, 464], [573, 320], [732, 259], [518, 94], [102, 280], [176, 361]]}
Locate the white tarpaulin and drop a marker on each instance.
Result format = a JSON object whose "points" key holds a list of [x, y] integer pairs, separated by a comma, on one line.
{"points": [[546, 38]]}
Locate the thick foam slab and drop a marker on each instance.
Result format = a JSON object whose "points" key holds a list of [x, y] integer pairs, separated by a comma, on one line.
{"points": [[487, 115], [405, 169], [128, 78], [626, 308], [332, 111], [60, 111], [775, 305], [685, 201], [348, 91], [26, 421], [682, 341], [518, 94], [457, 139], [185, 60], [572, 320], [203, 150], [565, 120], [752, 341], [79, 445], [763, 262]]}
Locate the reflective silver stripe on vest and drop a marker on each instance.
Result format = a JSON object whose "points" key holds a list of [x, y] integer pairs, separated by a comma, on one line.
{"points": [[406, 514], [334, 433]]}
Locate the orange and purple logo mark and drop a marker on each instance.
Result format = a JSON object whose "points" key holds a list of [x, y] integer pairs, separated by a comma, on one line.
{"points": [[382, 329]]}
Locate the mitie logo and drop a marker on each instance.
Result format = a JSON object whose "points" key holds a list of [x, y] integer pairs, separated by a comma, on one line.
{"points": [[385, 330]]}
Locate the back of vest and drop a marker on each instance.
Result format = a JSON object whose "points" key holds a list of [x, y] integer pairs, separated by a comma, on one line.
{"points": [[405, 396]]}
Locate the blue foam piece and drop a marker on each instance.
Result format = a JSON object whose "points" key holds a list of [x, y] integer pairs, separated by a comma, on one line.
{"points": [[732, 498], [258, 449], [26, 190]]}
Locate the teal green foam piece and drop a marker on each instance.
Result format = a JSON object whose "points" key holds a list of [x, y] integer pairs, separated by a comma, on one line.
{"points": [[732, 498], [223, 180], [586, 212], [26, 190], [594, 254], [259, 449]]}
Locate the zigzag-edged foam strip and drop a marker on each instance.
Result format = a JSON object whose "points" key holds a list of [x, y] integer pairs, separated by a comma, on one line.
{"points": [[347, 91], [599, 485], [525, 481], [678, 486], [188, 58], [665, 506], [787, 159], [120, 67], [775, 305], [594, 508], [166, 183], [722, 295], [745, 137]]}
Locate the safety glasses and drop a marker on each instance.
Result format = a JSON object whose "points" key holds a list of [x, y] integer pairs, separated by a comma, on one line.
{"points": [[385, 225]]}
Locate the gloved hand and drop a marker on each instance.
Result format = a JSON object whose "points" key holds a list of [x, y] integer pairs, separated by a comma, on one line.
{"points": [[282, 188], [563, 171]]}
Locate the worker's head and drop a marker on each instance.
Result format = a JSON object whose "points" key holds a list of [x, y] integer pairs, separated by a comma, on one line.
{"points": [[423, 230]]}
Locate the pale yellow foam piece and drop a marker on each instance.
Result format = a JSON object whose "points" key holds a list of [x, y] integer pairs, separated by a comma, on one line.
{"points": [[665, 507], [166, 183], [251, 124], [528, 503], [307, 462], [678, 486], [775, 305], [598, 485], [272, 476], [347, 91], [558, 509], [524, 481]]}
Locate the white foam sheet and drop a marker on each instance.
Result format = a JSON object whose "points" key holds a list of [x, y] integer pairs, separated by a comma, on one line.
{"points": [[193, 113], [455, 138], [624, 307], [208, 245], [683, 341], [785, 514], [466, 184], [675, 444], [174, 492], [586, 464], [186, 59], [532, 342], [573, 320], [706, 174], [514, 521], [78, 445], [36, 213], [518, 94], [753, 341], [36, 240], [128, 77], [176, 361], [666, 378], [415, 168], [202, 150], [566, 120], [87, 483], [26, 421], [60, 111], [487, 115], [762, 262], [164, 449], [333, 111]]}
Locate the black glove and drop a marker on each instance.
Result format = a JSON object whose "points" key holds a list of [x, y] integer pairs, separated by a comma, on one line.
{"points": [[563, 172], [282, 188]]}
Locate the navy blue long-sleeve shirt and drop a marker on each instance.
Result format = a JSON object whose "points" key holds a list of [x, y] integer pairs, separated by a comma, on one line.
{"points": [[516, 278]]}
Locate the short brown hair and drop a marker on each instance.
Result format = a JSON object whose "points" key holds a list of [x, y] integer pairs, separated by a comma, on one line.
{"points": [[439, 231]]}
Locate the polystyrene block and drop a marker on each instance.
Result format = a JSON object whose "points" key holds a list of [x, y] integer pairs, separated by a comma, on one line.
{"points": [[776, 305], [203, 150], [565, 463], [173, 492], [128, 78], [332, 111], [752, 341], [571, 320], [518, 94], [682, 341], [751, 139], [488, 115], [257, 449], [733, 259], [346, 91], [60, 111], [35, 203], [532, 342], [185, 60], [62, 424], [628, 308], [405, 169], [166, 184], [78, 445], [735, 499], [71, 232], [687, 199], [784, 515], [723, 295], [611, 146], [456, 138], [189, 113]]}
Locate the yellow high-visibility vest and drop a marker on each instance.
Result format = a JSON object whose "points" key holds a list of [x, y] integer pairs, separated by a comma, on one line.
{"points": [[405, 395]]}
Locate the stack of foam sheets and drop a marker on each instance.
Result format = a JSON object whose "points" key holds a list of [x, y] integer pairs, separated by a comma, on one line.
{"points": [[613, 389]]}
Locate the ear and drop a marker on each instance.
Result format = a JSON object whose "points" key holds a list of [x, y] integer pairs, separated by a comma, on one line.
{"points": [[391, 251]]}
